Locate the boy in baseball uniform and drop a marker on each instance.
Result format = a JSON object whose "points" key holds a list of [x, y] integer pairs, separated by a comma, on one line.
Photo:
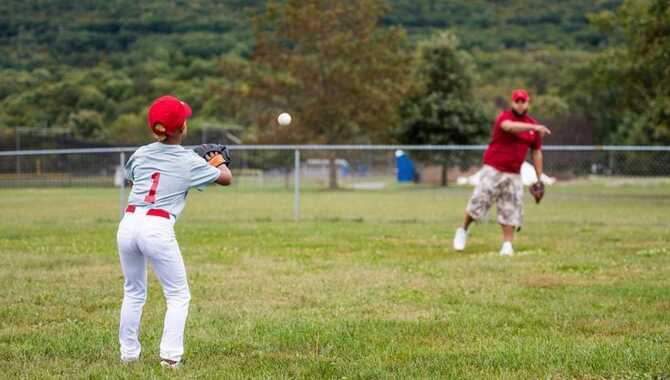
{"points": [[161, 174]]}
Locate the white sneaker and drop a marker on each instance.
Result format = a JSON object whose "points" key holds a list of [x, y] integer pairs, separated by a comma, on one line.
{"points": [[459, 239], [507, 249]]}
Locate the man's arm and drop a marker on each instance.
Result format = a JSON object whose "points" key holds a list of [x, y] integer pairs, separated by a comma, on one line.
{"points": [[538, 163], [519, 126]]}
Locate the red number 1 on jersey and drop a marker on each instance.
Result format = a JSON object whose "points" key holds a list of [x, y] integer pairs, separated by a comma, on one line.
{"points": [[151, 197]]}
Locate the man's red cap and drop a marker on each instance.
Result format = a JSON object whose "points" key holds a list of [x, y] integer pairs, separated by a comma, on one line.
{"points": [[520, 94], [169, 112]]}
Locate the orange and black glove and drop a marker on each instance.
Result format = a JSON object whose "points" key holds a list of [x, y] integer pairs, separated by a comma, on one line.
{"points": [[215, 154]]}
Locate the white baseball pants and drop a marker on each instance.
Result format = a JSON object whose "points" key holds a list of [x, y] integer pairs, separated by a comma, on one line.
{"points": [[143, 238]]}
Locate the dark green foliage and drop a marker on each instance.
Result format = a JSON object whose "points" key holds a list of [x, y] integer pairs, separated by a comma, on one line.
{"points": [[495, 25], [77, 32], [626, 90], [443, 109], [59, 57]]}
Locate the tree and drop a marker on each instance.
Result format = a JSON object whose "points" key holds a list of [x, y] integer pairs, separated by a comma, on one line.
{"points": [[331, 65], [129, 129], [627, 91], [442, 108], [87, 125]]}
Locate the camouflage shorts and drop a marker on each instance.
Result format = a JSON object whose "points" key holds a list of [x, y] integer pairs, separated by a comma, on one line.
{"points": [[505, 189]]}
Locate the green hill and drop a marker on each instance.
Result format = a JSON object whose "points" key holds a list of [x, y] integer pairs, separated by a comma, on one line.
{"points": [[42, 32], [494, 25], [94, 63]]}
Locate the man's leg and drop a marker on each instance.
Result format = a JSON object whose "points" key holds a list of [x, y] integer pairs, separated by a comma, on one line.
{"points": [[482, 198], [510, 211], [467, 221], [461, 235], [508, 233], [508, 237]]}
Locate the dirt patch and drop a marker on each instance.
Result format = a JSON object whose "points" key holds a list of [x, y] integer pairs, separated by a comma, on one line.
{"points": [[548, 281]]}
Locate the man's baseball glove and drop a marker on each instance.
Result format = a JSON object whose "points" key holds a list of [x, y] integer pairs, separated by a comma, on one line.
{"points": [[537, 191], [215, 154]]}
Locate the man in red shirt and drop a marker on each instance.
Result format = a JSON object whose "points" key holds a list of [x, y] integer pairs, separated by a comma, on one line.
{"points": [[500, 177]]}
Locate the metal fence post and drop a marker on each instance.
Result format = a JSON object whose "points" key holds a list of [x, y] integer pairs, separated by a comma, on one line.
{"points": [[296, 186], [18, 148], [122, 188]]}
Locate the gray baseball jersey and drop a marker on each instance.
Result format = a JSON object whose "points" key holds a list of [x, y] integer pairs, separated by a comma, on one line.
{"points": [[162, 174]]}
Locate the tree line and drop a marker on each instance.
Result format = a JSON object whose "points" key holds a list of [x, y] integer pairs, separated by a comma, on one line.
{"points": [[423, 71]]}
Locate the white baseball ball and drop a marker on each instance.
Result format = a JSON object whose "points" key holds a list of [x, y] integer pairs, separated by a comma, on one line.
{"points": [[284, 119]]}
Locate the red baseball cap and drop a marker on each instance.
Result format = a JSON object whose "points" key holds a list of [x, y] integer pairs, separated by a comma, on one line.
{"points": [[169, 112], [520, 94]]}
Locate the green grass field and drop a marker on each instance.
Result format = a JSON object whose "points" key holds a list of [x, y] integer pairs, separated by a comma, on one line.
{"points": [[366, 286]]}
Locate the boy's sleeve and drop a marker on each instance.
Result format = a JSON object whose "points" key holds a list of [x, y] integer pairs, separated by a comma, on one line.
{"points": [[202, 173], [128, 168]]}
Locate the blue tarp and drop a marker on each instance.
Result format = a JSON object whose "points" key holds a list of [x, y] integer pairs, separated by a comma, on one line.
{"points": [[405, 167]]}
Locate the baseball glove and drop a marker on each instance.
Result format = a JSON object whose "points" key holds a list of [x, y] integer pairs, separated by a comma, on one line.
{"points": [[215, 154], [537, 191]]}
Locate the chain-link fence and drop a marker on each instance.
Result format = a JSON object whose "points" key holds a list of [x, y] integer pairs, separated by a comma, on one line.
{"points": [[273, 168]]}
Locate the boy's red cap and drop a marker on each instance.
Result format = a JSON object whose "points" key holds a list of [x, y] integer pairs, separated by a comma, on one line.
{"points": [[169, 112]]}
